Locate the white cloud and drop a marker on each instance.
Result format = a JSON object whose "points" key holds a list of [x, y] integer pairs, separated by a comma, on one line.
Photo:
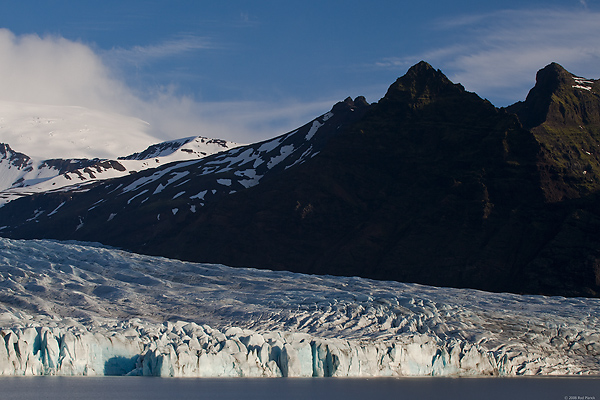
{"points": [[498, 54], [53, 70], [56, 71]]}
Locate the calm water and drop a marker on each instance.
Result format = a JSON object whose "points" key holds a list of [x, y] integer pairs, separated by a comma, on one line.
{"points": [[115, 388]]}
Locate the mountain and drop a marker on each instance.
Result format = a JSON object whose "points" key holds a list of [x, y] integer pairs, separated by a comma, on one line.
{"points": [[563, 113], [432, 184], [21, 175], [182, 149], [210, 178]]}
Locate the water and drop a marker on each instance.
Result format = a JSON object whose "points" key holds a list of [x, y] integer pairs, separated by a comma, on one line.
{"points": [[116, 388]]}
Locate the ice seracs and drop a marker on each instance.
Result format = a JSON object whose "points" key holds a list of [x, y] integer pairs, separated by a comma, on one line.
{"points": [[186, 349], [73, 309]]}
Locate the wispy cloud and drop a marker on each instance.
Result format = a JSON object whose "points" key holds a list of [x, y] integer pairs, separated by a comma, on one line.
{"points": [[181, 45], [497, 54], [240, 121]]}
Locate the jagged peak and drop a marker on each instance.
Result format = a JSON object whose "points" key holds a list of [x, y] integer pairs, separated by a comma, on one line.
{"points": [[348, 103], [551, 81], [551, 77], [5, 148], [420, 68], [7, 151], [420, 84]]}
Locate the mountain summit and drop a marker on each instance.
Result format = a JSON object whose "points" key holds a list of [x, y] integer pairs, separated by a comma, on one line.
{"points": [[563, 113], [431, 184], [557, 91], [421, 85]]}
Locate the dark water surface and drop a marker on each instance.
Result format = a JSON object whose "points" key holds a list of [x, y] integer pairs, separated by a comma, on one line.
{"points": [[116, 388]]}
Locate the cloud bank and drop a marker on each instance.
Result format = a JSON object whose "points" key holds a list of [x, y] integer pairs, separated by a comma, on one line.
{"points": [[497, 54], [55, 71]]}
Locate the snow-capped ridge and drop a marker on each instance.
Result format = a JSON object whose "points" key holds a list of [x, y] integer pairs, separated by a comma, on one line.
{"points": [[22, 175], [166, 171], [183, 149]]}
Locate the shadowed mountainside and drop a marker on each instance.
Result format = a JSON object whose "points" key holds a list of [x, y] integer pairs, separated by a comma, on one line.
{"points": [[432, 184]]}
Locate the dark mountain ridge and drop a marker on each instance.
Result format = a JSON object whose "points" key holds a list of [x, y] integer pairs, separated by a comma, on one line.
{"points": [[432, 184]]}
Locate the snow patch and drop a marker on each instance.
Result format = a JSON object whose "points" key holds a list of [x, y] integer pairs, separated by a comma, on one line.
{"points": [[175, 176], [248, 183], [284, 152], [582, 83], [272, 144], [137, 195], [57, 208], [36, 214], [313, 129], [200, 195], [159, 189], [588, 88]]}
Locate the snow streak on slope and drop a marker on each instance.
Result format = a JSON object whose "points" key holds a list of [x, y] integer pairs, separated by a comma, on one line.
{"points": [[179, 188], [229, 171], [21, 175], [74, 309], [183, 149]]}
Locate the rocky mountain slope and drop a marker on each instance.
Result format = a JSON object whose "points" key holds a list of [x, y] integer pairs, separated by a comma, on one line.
{"points": [[21, 175], [563, 113], [432, 184]]}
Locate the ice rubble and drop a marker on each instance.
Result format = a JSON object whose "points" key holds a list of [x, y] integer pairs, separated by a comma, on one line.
{"points": [[69, 309]]}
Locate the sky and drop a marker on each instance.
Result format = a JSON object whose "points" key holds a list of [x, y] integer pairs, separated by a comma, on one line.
{"points": [[251, 70]]}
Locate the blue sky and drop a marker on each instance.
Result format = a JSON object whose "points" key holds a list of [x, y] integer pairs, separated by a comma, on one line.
{"points": [[249, 70]]}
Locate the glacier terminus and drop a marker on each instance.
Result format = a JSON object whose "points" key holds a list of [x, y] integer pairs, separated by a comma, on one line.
{"points": [[72, 308]]}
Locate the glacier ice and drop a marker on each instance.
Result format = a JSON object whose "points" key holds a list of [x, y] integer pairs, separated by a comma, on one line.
{"points": [[186, 349], [74, 309]]}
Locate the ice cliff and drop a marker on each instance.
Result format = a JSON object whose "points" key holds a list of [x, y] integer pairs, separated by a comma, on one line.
{"points": [[70, 309], [186, 349]]}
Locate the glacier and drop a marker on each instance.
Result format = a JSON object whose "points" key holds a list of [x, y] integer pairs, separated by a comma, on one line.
{"points": [[70, 308]]}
